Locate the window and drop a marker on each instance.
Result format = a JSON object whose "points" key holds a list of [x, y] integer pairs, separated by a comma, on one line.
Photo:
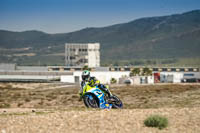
{"points": [[72, 57], [78, 69], [155, 69], [67, 69], [164, 69], [83, 60], [173, 69], [126, 69], [189, 74], [72, 49], [56, 69], [190, 69], [86, 60]]}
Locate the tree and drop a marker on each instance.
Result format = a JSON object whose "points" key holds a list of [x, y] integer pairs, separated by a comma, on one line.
{"points": [[146, 72], [86, 68], [113, 81], [135, 72]]}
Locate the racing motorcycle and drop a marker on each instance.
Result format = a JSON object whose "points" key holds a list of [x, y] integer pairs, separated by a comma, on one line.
{"points": [[94, 97]]}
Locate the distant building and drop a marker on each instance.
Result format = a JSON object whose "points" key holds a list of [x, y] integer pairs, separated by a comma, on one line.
{"points": [[7, 67], [82, 54]]}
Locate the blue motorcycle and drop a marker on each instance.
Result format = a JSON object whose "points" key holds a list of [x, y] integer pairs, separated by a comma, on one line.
{"points": [[95, 98]]}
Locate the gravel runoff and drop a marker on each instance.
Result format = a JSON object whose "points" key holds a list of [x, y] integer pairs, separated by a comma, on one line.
{"points": [[181, 120]]}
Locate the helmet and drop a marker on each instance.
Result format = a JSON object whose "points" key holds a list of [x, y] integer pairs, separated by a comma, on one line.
{"points": [[85, 75]]}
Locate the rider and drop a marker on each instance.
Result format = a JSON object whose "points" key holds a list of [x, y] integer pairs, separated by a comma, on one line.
{"points": [[92, 81]]}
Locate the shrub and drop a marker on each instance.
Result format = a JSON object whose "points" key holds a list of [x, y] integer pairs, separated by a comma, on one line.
{"points": [[19, 104], [156, 121], [27, 100], [4, 105], [113, 81], [147, 71], [86, 68], [135, 72]]}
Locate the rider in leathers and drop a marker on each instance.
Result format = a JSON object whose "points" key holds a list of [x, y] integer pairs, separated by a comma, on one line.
{"points": [[92, 81]]}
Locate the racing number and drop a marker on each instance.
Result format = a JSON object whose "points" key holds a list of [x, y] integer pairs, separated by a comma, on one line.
{"points": [[98, 93]]}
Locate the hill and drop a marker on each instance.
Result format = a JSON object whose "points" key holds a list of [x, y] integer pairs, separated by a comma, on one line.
{"points": [[166, 37]]}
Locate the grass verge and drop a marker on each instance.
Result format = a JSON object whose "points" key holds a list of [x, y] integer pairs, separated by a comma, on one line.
{"points": [[157, 121]]}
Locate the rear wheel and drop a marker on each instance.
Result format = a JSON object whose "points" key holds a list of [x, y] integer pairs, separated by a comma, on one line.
{"points": [[116, 102], [90, 101]]}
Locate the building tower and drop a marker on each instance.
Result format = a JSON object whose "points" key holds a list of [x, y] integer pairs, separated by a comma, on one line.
{"points": [[82, 54]]}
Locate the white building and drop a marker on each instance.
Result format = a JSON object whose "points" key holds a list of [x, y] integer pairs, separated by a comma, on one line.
{"points": [[82, 54], [7, 67], [104, 77], [137, 80], [171, 77]]}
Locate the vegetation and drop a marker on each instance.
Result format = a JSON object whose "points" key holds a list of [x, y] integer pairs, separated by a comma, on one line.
{"points": [[113, 81], [146, 72], [49, 95], [156, 121], [137, 72], [4, 105], [14, 114], [172, 62], [86, 68]]}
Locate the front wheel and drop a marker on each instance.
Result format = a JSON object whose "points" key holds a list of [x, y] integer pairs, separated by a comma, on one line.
{"points": [[116, 102], [90, 101]]}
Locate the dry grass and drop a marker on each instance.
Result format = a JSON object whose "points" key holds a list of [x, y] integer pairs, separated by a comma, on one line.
{"points": [[50, 95], [43, 96], [184, 120], [159, 96], [47, 107]]}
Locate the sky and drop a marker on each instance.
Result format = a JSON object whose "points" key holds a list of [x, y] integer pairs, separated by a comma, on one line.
{"points": [[62, 16]]}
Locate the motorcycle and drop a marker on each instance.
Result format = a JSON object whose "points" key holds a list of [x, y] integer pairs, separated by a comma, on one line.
{"points": [[94, 97]]}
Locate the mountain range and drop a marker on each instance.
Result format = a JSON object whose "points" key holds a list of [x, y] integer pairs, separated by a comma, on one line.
{"points": [[166, 37]]}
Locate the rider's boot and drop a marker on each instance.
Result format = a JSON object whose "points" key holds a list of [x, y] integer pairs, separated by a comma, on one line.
{"points": [[109, 93], [105, 89]]}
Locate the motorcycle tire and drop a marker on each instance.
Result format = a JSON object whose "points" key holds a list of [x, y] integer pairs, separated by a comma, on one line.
{"points": [[116, 102], [90, 101]]}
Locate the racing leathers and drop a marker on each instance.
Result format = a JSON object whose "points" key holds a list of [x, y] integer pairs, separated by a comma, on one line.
{"points": [[92, 81]]}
